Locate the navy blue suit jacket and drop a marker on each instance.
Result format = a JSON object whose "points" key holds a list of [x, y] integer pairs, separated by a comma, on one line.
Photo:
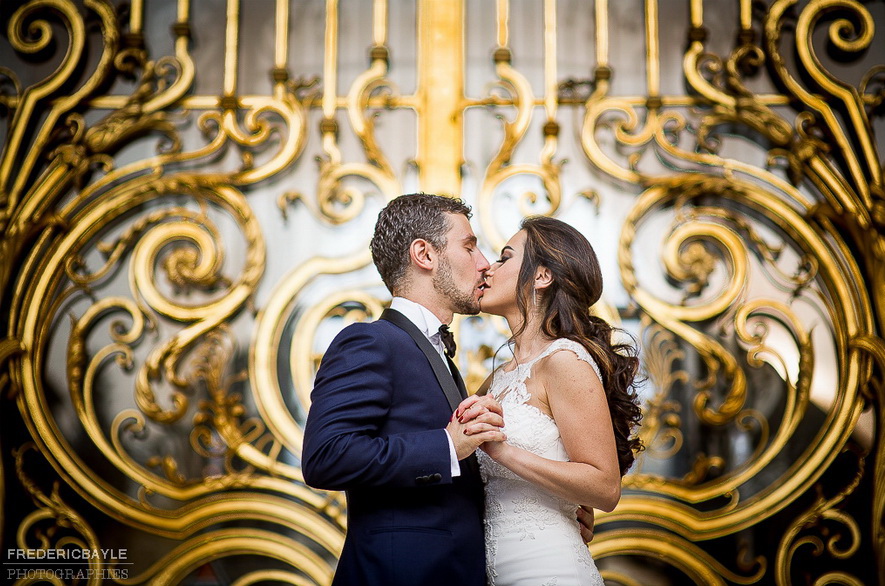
{"points": [[380, 403]]}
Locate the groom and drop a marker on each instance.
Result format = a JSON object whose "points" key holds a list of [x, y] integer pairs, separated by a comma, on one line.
{"points": [[390, 421]]}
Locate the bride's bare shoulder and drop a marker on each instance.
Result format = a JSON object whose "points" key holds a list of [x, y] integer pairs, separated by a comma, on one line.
{"points": [[567, 364]]}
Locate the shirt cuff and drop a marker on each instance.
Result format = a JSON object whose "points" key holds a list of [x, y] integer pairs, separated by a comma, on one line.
{"points": [[453, 457]]}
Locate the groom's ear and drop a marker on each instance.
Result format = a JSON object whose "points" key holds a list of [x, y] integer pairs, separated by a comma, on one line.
{"points": [[543, 278], [422, 254]]}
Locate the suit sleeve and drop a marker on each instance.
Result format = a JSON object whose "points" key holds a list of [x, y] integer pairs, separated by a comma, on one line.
{"points": [[343, 445]]}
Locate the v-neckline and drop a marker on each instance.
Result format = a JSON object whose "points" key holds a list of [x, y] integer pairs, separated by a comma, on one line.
{"points": [[529, 362]]}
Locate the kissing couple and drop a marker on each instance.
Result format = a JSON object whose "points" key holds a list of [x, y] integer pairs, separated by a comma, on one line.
{"points": [[497, 487]]}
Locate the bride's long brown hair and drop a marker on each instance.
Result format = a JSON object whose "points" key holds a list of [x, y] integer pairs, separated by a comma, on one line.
{"points": [[565, 310]]}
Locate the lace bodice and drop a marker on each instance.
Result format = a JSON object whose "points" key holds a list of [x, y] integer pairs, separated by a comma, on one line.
{"points": [[524, 522]]}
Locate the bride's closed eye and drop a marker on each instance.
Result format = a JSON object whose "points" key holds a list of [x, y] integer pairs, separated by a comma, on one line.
{"points": [[503, 258]]}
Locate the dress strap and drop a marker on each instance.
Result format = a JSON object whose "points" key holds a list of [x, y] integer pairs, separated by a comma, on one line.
{"points": [[578, 349], [514, 381]]}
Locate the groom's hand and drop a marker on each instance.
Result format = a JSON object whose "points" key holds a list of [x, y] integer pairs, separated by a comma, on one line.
{"points": [[476, 421], [586, 519]]}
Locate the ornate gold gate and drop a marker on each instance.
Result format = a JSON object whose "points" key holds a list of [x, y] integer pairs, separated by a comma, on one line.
{"points": [[185, 220]]}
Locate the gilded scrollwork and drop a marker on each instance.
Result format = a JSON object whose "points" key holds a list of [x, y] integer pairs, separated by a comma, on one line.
{"points": [[179, 245], [826, 530], [53, 524], [661, 430], [500, 169], [30, 32], [685, 256], [512, 88], [270, 331], [337, 201], [692, 562], [164, 326]]}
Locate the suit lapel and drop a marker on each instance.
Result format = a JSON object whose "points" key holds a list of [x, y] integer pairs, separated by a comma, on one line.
{"points": [[447, 380], [459, 382]]}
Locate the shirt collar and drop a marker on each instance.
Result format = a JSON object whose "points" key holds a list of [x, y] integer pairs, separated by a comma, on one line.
{"points": [[423, 318]]}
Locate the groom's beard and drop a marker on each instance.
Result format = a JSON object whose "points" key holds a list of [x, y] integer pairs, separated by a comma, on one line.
{"points": [[463, 302]]}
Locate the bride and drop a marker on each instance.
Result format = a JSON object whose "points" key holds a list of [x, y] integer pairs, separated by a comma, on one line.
{"points": [[569, 409]]}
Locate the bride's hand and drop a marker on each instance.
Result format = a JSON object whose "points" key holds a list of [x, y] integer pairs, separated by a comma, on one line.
{"points": [[477, 420], [494, 449]]}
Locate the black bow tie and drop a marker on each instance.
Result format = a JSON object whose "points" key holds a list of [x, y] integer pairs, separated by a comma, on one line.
{"points": [[448, 340]]}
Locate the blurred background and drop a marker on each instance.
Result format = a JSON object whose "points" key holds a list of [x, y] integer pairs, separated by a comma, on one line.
{"points": [[187, 193]]}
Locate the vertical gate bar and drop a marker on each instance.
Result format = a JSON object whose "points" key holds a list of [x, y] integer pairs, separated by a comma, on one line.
{"points": [[231, 40], [379, 23], [281, 43], [653, 74], [551, 83], [136, 16], [440, 95]]}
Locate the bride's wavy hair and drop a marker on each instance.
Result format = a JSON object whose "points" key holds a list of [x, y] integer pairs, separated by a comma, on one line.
{"points": [[564, 307]]}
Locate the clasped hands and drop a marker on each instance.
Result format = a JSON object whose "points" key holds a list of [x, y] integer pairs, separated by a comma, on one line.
{"points": [[478, 419]]}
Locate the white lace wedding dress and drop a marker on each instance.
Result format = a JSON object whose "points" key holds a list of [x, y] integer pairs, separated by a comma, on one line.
{"points": [[532, 537]]}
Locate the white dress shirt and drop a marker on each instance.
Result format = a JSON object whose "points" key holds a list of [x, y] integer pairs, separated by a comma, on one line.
{"points": [[429, 324]]}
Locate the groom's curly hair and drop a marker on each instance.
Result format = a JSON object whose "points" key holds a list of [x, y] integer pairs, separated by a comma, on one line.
{"points": [[405, 219]]}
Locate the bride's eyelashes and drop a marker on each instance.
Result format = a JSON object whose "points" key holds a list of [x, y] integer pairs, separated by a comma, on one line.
{"points": [[504, 258]]}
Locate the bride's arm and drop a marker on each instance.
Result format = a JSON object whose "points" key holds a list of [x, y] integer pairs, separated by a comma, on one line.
{"points": [[580, 409]]}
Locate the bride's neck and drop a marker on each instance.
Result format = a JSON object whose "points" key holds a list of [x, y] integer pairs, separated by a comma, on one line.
{"points": [[529, 342]]}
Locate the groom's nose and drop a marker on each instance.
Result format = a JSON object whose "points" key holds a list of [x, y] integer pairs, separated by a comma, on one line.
{"points": [[483, 265]]}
